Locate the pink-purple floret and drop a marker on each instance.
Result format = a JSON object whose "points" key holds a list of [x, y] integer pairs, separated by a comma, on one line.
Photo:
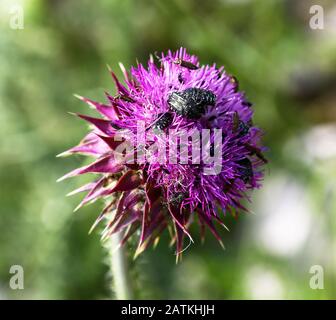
{"points": [[149, 197]]}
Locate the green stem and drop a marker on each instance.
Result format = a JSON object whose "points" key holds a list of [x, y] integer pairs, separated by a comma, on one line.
{"points": [[121, 284]]}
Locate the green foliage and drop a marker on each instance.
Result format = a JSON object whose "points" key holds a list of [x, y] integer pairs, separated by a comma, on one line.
{"points": [[64, 49]]}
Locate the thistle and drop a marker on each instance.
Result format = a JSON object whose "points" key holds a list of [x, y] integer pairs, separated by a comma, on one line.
{"points": [[146, 191]]}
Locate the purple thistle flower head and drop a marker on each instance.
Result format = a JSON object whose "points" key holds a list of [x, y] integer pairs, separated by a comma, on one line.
{"points": [[175, 145]]}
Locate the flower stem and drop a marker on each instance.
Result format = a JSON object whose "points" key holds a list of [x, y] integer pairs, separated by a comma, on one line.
{"points": [[121, 284]]}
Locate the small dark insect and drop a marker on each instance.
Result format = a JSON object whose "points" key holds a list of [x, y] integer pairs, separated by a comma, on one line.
{"points": [[163, 121], [191, 102], [254, 150], [235, 82], [180, 78], [239, 126], [247, 104], [245, 169], [243, 129], [186, 64], [125, 98]]}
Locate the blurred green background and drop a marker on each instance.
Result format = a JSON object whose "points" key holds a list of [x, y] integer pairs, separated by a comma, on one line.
{"points": [[287, 69]]}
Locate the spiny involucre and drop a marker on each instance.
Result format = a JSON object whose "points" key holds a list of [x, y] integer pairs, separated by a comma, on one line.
{"points": [[146, 190]]}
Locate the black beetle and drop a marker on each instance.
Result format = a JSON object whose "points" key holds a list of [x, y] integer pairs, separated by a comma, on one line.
{"points": [[191, 102], [163, 121], [239, 126], [245, 169]]}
